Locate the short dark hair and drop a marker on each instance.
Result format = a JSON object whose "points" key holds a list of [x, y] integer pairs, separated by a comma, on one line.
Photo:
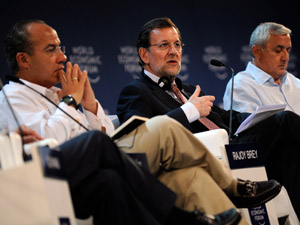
{"points": [[17, 40], [143, 40]]}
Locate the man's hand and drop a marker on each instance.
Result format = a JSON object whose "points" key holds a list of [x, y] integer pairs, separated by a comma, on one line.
{"points": [[29, 135], [203, 104], [72, 82], [88, 99], [76, 83]]}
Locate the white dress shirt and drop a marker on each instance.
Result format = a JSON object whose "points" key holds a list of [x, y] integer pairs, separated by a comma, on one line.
{"points": [[46, 119], [190, 111], [254, 87]]}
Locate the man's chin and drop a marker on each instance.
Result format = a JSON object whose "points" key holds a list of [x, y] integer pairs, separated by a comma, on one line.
{"points": [[282, 72], [172, 73], [55, 80]]}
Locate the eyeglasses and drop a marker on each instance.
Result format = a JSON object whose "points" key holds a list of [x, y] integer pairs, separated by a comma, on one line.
{"points": [[54, 49], [167, 46]]}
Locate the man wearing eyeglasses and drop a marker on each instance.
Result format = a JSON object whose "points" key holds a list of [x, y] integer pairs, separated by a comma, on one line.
{"points": [[35, 56], [159, 47]]}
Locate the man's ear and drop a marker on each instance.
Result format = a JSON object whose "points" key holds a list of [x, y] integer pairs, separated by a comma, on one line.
{"points": [[256, 51], [22, 59], [144, 55]]}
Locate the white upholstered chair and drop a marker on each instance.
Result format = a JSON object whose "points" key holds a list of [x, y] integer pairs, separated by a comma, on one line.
{"points": [[29, 197]]}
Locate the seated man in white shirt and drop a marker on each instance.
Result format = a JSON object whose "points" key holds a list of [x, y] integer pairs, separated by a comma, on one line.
{"points": [[266, 80], [39, 62]]}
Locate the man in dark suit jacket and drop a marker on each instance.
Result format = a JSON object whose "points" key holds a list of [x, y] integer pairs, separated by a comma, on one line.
{"points": [[159, 47]]}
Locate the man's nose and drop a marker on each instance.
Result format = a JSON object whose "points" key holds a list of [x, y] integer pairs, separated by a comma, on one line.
{"points": [[172, 49], [285, 55], [61, 56]]}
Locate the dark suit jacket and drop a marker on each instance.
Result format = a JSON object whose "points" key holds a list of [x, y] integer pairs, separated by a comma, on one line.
{"points": [[143, 97]]}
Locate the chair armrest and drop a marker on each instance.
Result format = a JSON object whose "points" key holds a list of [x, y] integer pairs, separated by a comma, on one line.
{"points": [[115, 120], [48, 141], [215, 141]]}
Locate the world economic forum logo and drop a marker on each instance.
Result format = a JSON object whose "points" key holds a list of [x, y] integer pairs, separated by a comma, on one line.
{"points": [[86, 58], [216, 52]]}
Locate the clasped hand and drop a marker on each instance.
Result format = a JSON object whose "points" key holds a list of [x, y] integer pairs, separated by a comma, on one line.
{"points": [[76, 83]]}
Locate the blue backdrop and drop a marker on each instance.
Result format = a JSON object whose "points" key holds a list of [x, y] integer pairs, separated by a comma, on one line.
{"points": [[101, 37]]}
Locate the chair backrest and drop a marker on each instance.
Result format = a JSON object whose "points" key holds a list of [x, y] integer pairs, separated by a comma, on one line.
{"points": [[28, 197]]}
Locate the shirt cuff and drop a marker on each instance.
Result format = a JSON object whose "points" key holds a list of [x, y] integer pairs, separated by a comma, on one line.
{"points": [[99, 120], [190, 111]]}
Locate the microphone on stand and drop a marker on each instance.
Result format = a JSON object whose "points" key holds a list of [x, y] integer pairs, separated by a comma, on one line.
{"points": [[17, 80], [218, 63]]}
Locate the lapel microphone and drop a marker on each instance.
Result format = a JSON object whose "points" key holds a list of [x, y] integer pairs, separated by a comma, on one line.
{"points": [[17, 80]]}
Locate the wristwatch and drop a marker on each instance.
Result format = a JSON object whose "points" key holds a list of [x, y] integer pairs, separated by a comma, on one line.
{"points": [[69, 100]]}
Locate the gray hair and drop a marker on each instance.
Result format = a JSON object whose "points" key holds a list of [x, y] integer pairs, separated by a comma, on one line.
{"points": [[261, 35]]}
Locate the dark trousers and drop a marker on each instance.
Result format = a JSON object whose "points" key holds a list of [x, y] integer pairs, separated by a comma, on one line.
{"points": [[107, 184], [279, 139]]}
